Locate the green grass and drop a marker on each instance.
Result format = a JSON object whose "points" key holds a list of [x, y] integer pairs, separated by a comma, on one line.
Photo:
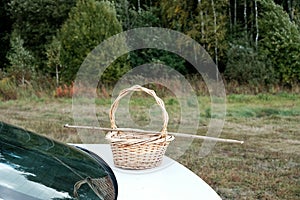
{"points": [[266, 166]]}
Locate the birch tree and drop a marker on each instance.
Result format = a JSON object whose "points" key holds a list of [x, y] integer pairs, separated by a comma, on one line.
{"points": [[235, 13], [216, 38], [256, 24], [245, 17], [53, 54]]}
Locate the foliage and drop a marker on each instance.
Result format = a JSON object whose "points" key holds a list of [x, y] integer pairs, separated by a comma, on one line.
{"points": [[211, 36], [21, 60], [59, 40], [177, 14], [279, 41], [8, 89], [64, 91], [37, 21], [246, 66], [53, 58], [132, 17], [296, 15], [204, 21], [5, 29], [89, 23]]}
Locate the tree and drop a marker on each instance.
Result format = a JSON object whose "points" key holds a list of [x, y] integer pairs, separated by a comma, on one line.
{"points": [[208, 27], [256, 23], [5, 30], [133, 17], [37, 21], [53, 55], [290, 6], [297, 14], [178, 14], [21, 60], [89, 23], [279, 41]]}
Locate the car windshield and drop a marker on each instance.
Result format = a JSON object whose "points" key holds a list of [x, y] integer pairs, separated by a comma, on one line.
{"points": [[36, 167]]}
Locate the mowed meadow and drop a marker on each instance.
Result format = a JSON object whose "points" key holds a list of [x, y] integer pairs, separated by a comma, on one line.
{"points": [[266, 166]]}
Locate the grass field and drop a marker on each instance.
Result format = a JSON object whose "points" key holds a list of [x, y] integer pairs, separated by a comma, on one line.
{"points": [[266, 166]]}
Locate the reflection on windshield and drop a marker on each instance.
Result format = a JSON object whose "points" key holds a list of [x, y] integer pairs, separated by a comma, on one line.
{"points": [[14, 179]]}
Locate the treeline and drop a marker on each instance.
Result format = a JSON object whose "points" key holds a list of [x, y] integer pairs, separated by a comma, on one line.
{"points": [[255, 42]]}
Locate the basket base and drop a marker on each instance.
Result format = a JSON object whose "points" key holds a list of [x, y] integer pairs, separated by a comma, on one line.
{"points": [[137, 166], [144, 156]]}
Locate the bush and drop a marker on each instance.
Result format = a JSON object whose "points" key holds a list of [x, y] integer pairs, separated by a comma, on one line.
{"points": [[247, 67], [8, 89], [64, 91]]}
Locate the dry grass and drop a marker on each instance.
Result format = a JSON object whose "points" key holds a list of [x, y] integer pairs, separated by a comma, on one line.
{"points": [[267, 166]]}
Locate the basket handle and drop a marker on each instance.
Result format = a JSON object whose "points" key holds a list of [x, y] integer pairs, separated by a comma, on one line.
{"points": [[124, 92]]}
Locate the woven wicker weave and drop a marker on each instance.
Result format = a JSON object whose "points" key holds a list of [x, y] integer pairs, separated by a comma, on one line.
{"points": [[138, 150]]}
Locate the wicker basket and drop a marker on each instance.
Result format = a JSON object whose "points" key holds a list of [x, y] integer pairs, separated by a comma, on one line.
{"points": [[134, 149]]}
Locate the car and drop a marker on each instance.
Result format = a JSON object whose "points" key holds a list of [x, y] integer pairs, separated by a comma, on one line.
{"points": [[33, 167], [36, 167]]}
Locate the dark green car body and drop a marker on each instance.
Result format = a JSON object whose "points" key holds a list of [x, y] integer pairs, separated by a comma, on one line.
{"points": [[36, 167]]}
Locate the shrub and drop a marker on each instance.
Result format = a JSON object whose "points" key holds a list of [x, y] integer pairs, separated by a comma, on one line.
{"points": [[64, 91], [8, 89], [247, 67]]}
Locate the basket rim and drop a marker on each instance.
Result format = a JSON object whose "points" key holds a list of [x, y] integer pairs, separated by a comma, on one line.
{"points": [[114, 137]]}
